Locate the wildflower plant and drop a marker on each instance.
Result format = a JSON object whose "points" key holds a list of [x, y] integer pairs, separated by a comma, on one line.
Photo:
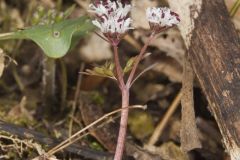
{"points": [[114, 21]]}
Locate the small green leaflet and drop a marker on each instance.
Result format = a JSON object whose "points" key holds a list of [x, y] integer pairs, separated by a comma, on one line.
{"points": [[55, 39]]}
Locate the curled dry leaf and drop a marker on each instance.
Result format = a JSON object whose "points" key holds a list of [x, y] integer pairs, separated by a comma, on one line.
{"points": [[95, 50]]}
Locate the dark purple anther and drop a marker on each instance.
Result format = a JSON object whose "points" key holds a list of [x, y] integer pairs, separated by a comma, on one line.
{"points": [[176, 15]]}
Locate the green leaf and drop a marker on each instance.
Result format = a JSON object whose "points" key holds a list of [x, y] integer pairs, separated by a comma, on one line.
{"points": [[99, 70], [103, 71], [129, 64], [54, 39]]}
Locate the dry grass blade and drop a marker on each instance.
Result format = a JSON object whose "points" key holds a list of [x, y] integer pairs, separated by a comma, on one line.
{"points": [[161, 125], [235, 8], [90, 73], [74, 105]]}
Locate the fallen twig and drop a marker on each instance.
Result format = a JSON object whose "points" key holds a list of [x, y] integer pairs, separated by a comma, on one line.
{"points": [[161, 125]]}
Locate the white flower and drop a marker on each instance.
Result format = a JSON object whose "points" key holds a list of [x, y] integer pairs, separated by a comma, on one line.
{"points": [[112, 17], [164, 17]]}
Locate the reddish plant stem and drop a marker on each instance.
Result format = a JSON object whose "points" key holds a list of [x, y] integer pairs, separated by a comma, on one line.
{"points": [[138, 59], [118, 69], [123, 125], [125, 104], [125, 95]]}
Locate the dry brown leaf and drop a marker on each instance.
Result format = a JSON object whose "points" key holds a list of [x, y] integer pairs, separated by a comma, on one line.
{"points": [[138, 13], [170, 68], [189, 133], [168, 151], [171, 43], [150, 91], [20, 111], [140, 153], [95, 50], [90, 112]]}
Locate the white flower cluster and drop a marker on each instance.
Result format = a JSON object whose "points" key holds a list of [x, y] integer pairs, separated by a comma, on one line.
{"points": [[112, 17], [162, 16]]}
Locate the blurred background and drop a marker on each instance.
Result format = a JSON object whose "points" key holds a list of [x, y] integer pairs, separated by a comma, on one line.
{"points": [[52, 97]]}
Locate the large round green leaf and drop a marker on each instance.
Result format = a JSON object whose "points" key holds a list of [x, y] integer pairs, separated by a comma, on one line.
{"points": [[55, 39]]}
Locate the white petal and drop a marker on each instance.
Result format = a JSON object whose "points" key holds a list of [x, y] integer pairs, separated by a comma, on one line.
{"points": [[114, 15], [96, 23], [161, 16]]}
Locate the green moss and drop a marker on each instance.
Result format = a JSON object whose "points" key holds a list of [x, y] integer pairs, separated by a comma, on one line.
{"points": [[96, 146], [140, 124], [97, 98]]}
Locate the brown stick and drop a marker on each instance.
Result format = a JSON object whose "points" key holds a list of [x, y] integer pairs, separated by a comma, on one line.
{"points": [[189, 133], [214, 52], [162, 124]]}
